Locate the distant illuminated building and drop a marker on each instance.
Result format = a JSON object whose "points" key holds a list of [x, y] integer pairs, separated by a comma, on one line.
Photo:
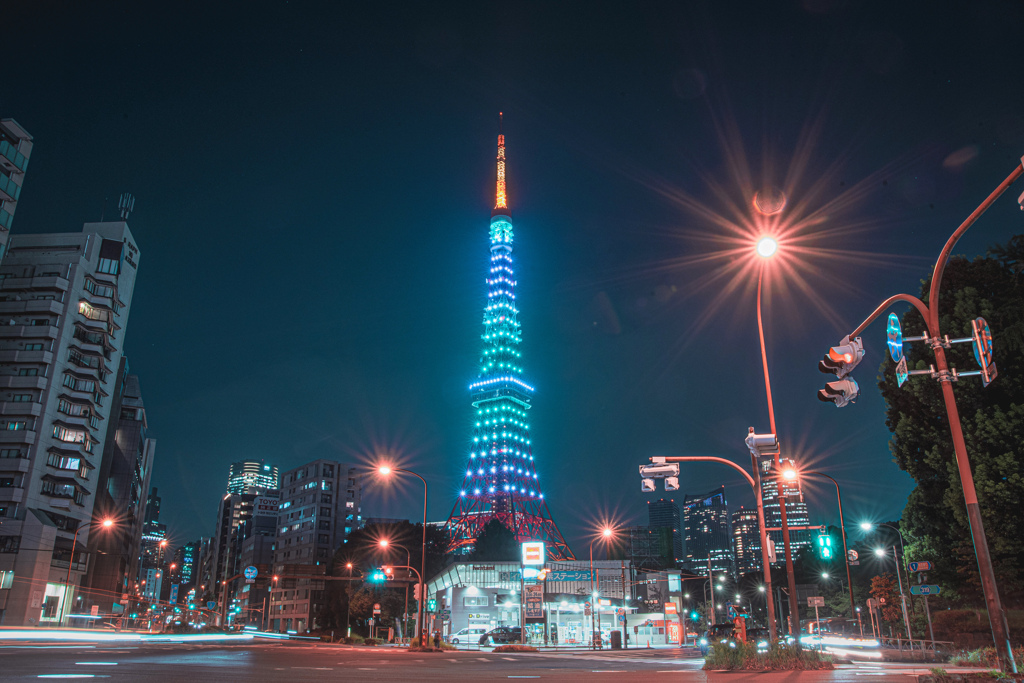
{"points": [[247, 474], [746, 541], [708, 538], [796, 509]]}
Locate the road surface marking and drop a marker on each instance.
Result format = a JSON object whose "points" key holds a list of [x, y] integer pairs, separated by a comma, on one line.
{"points": [[96, 663], [509, 659], [608, 671], [67, 676], [364, 669], [524, 676], [450, 660], [482, 659]]}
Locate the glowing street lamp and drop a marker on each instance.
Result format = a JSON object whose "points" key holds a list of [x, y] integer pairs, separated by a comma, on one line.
{"points": [[105, 524], [766, 247]]}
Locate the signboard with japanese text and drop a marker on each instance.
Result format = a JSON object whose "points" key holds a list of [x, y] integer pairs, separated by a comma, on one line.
{"points": [[264, 505], [569, 575], [534, 598]]}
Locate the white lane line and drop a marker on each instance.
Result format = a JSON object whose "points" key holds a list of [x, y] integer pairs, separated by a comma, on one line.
{"points": [[450, 660], [524, 676], [509, 659], [68, 676], [364, 669], [96, 663], [608, 671], [314, 668], [482, 659]]}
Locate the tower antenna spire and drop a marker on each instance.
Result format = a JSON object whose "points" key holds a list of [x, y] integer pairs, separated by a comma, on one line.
{"points": [[501, 199]]}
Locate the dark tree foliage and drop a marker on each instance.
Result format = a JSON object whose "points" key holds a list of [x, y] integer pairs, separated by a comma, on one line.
{"points": [[495, 544], [935, 518]]}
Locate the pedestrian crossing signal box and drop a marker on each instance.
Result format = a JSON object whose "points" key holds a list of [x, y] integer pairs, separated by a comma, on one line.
{"points": [[432, 605]]}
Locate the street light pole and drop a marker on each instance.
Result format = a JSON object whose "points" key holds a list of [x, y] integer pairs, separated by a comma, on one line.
{"points": [[385, 470], [842, 529], [384, 543], [794, 607], [930, 313]]}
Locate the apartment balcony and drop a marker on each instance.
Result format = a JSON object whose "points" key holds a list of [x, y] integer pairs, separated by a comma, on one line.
{"points": [[13, 356], [19, 382], [11, 159], [27, 331], [9, 465], [10, 191], [47, 282], [31, 306], [16, 436], [19, 408], [12, 494]]}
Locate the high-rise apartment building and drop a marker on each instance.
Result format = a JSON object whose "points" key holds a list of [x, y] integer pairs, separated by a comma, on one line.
{"points": [[320, 507], [121, 485], [15, 150], [64, 304], [746, 541], [796, 509], [248, 474], [664, 514], [708, 538]]}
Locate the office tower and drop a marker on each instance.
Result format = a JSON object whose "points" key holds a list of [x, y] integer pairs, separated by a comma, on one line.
{"points": [[239, 514], [320, 506], [746, 541], [64, 305], [500, 480], [123, 479], [664, 513], [247, 474], [186, 563], [796, 510], [15, 150], [153, 550], [645, 548], [706, 520]]}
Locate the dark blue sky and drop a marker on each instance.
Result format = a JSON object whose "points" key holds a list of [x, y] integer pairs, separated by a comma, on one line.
{"points": [[314, 184]]}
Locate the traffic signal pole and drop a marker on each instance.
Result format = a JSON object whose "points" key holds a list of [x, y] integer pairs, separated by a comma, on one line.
{"points": [[996, 615], [794, 607]]}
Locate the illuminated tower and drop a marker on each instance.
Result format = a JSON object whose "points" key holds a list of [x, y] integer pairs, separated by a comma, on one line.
{"points": [[501, 481]]}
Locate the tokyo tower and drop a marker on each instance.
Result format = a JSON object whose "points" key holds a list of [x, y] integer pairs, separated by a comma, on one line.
{"points": [[501, 481]]}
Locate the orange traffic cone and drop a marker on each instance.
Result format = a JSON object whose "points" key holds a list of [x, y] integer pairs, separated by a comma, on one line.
{"points": [[648, 643]]}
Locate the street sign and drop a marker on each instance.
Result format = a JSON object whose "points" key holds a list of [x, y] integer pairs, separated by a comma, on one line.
{"points": [[586, 609], [895, 338], [983, 350], [211, 604], [621, 613], [771, 551], [815, 601], [174, 594], [670, 608], [902, 372], [533, 553], [250, 572], [921, 566], [376, 608], [852, 556], [446, 614], [925, 590]]}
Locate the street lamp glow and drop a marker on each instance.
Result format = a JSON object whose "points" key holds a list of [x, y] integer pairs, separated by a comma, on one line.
{"points": [[789, 474], [107, 523], [384, 469], [867, 526], [607, 532], [880, 552], [766, 247], [383, 543], [737, 596], [761, 589], [824, 575]]}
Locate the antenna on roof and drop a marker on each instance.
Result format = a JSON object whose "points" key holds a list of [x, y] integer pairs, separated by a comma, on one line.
{"points": [[126, 205]]}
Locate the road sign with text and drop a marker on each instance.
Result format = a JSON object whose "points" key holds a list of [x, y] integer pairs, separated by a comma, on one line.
{"points": [[925, 590], [921, 566]]}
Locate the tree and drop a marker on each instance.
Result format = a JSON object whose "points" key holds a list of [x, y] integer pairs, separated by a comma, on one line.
{"points": [[883, 589], [935, 518], [495, 544]]}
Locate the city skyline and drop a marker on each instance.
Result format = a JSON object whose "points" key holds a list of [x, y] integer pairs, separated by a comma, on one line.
{"points": [[600, 200]]}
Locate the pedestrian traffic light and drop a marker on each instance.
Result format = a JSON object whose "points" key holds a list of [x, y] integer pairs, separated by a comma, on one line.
{"points": [[389, 573], [842, 359], [840, 392], [825, 547], [378, 576], [432, 605]]}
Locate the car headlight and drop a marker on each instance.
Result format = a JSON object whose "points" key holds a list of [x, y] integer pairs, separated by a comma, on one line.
{"points": [[762, 643], [703, 641], [732, 644]]}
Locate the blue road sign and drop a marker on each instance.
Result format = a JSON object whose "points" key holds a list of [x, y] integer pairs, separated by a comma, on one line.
{"points": [[895, 337], [174, 594], [921, 566], [925, 590], [250, 572]]}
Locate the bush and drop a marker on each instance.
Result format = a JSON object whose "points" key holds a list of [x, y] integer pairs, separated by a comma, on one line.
{"points": [[370, 641], [984, 656], [515, 647], [778, 657]]}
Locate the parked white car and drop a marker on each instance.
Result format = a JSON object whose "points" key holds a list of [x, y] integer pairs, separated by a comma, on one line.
{"points": [[467, 635]]}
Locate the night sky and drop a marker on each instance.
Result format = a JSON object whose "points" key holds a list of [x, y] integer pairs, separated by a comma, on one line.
{"points": [[314, 184]]}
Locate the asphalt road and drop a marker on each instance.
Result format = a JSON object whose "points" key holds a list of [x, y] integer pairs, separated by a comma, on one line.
{"points": [[283, 661]]}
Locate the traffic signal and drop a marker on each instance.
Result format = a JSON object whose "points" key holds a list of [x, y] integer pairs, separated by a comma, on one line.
{"points": [[840, 361], [432, 605], [825, 547], [378, 576], [416, 591], [389, 573], [840, 392]]}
